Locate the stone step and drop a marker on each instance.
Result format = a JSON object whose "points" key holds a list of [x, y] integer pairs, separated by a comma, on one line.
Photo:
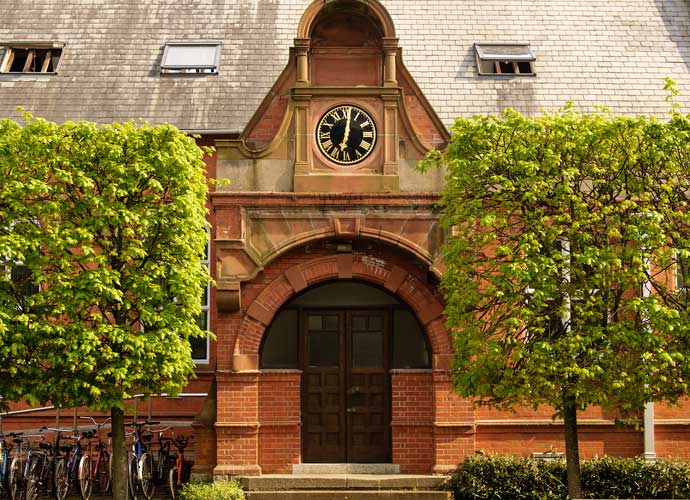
{"points": [[346, 469], [348, 495], [274, 482]]}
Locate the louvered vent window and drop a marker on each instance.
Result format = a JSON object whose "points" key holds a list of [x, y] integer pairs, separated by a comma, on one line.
{"points": [[505, 59]]}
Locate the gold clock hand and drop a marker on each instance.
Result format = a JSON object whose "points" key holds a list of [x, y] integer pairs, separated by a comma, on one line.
{"points": [[343, 144]]}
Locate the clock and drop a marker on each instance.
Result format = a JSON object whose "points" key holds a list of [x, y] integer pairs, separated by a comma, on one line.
{"points": [[346, 134]]}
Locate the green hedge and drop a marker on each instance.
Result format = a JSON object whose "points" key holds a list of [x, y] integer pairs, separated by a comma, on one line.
{"points": [[511, 478], [218, 490]]}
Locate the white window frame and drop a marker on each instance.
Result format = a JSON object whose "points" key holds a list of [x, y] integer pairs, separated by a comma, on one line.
{"points": [[168, 68]]}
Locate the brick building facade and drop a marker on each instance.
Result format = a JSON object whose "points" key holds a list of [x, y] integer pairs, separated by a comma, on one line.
{"points": [[326, 248]]}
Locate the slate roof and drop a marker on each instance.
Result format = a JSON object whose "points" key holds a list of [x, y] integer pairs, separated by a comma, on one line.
{"points": [[613, 52]]}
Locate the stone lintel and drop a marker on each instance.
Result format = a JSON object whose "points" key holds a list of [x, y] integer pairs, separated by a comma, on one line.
{"points": [[355, 183]]}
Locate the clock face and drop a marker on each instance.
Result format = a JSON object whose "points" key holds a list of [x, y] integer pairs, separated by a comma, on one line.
{"points": [[346, 134]]}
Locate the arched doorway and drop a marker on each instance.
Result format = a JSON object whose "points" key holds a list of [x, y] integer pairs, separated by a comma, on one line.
{"points": [[346, 337]]}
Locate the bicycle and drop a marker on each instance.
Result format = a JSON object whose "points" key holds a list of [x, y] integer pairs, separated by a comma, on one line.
{"points": [[100, 472], [179, 473], [164, 459], [5, 459], [79, 465], [140, 462], [46, 470], [19, 467]]}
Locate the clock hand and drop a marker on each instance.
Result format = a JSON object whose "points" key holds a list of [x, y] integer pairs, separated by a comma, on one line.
{"points": [[343, 144]]}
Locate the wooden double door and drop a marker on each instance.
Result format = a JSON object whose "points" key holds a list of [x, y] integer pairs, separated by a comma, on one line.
{"points": [[346, 407]]}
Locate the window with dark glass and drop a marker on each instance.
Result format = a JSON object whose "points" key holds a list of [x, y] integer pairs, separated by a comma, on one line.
{"points": [[30, 58], [408, 347], [281, 344], [409, 343], [200, 346]]}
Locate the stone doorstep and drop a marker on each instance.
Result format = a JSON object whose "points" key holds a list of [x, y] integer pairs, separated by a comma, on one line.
{"points": [[349, 495], [346, 468], [306, 482]]}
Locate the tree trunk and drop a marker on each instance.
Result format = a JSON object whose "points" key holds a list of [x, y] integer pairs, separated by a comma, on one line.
{"points": [[572, 451], [119, 456]]}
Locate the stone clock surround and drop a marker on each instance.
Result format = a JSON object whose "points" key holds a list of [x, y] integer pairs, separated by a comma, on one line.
{"points": [[335, 61]]}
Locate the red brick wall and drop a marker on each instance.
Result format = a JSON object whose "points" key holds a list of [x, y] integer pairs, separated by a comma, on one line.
{"points": [[237, 423], [523, 440], [412, 420], [279, 415]]}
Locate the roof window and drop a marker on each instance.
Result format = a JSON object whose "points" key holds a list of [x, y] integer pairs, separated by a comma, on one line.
{"points": [[504, 58], [30, 58], [196, 57]]}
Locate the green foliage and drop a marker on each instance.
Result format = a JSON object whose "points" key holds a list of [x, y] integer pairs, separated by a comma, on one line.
{"points": [[503, 478], [219, 490], [555, 220], [111, 223]]}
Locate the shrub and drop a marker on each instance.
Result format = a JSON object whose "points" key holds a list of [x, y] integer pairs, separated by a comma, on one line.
{"points": [[503, 478], [218, 490], [508, 478], [610, 477]]}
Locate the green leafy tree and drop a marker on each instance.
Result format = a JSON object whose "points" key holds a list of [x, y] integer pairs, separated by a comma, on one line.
{"points": [[565, 231], [111, 223]]}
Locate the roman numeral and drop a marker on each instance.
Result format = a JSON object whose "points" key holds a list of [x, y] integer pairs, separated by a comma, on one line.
{"points": [[368, 134], [325, 136], [365, 123], [327, 145], [346, 155], [366, 145]]}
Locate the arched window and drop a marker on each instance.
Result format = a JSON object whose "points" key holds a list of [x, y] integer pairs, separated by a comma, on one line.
{"points": [[281, 343]]}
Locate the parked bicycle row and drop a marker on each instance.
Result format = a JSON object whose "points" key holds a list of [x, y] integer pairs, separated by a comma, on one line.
{"points": [[58, 462]]}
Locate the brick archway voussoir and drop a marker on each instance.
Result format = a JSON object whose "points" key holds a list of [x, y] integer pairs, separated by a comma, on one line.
{"points": [[295, 279]]}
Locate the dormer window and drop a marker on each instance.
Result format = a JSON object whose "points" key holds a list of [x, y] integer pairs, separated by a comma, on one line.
{"points": [[504, 59], [195, 58], [30, 58]]}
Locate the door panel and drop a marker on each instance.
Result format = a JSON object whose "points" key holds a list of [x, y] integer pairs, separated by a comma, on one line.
{"points": [[323, 402], [346, 386], [368, 421]]}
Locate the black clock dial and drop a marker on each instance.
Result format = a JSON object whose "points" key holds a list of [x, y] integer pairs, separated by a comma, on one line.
{"points": [[346, 134]]}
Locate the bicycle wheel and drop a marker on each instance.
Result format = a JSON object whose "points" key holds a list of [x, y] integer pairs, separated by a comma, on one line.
{"points": [[146, 475], [85, 477], [3, 476], [15, 481], [103, 472], [132, 477], [33, 478], [60, 480], [173, 483]]}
